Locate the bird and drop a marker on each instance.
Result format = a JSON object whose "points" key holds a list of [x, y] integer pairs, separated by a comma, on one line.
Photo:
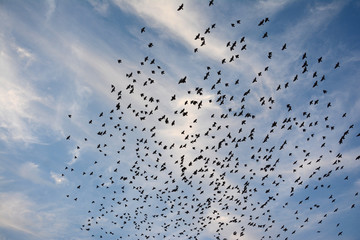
{"points": [[182, 80], [181, 7]]}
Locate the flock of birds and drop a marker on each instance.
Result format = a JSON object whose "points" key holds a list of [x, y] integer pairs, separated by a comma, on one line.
{"points": [[205, 167]]}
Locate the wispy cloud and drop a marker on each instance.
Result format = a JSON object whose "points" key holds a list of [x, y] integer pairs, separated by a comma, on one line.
{"points": [[51, 9], [58, 178], [30, 171], [100, 6], [19, 213]]}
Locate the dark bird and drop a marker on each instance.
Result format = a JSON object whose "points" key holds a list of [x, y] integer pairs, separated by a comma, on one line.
{"points": [[182, 80], [143, 30], [337, 65], [181, 7]]}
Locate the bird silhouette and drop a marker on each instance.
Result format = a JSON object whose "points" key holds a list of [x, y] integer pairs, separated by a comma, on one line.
{"points": [[181, 7]]}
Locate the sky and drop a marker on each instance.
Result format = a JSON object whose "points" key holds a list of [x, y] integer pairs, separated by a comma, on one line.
{"points": [[237, 134]]}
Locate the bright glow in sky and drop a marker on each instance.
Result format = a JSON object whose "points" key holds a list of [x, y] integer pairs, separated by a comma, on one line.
{"points": [[238, 120]]}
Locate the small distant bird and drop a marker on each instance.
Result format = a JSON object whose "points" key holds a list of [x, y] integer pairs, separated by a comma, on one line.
{"points": [[69, 115], [150, 45], [182, 80], [284, 47], [211, 2], [143, 30], [337, 65], [181, 7], [119, 60]]}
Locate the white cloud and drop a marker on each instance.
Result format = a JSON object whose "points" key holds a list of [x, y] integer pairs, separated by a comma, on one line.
{"points": [[51, 8], [31, 171], [317, 19], [58, 178], [23, 53], [19, 213], [271, 7], [100, 6]]}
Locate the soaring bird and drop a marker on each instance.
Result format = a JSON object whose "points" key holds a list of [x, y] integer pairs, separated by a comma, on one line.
{"points": [[181, 7], [182, 80]]}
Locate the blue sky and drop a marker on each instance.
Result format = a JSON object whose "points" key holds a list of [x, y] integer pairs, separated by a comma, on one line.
{"points": [[59, 58]]}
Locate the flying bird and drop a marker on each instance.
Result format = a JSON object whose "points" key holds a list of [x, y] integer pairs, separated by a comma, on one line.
{"points": [[181, 7]]}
